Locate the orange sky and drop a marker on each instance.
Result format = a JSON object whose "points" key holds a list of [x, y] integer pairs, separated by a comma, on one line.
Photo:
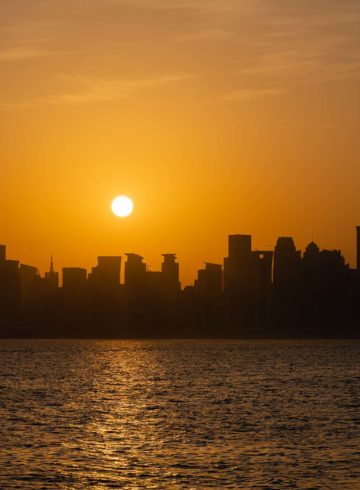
{"points": [[215, 116]]}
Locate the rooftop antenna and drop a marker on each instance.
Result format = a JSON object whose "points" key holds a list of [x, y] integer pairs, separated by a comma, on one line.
{"points": [[51, 265]]}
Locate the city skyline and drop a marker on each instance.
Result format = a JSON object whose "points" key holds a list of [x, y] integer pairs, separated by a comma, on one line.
{"points": [[252, 293], [52, 259], [188, 278]]}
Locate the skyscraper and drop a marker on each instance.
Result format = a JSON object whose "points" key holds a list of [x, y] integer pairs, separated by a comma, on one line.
{"points": [[239, 247], [170, 273], [10, 288], [286, 263], [286, 300], [2, 253], [52, 277], [107, 272], [238, 265], [74, 280], [209, 282], [29, 280], [358, 248], [135, 274]]}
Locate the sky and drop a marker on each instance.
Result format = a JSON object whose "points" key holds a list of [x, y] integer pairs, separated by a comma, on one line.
{"points": [[215, 116]]}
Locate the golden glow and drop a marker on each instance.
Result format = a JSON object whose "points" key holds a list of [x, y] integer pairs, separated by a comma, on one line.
{"points": [[122, 206], [216, 116]]}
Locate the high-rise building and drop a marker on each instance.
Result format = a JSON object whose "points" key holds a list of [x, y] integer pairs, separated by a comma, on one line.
{"points": [[170, 273], [239, 247], [52, 278], [287, 294], [135, 273], [209, 281], [311, 251], [286, 263], [107, 272], [358, 248], [2, 253], [238, 266], [74, 280], [10, 287], [155, 283], [263, 261], [29, 280]]}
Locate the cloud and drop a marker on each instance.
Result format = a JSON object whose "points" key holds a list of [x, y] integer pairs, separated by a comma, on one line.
{"points": [[17, 105], [195, 5], [302, 65], [101, 90], [243, 95], [22, 53], [305, 123], [208, 34], [318, 11], [256, 45], [307, 43]]}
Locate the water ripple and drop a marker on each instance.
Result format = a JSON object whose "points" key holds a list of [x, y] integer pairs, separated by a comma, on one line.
{"points": [[179, 414]]}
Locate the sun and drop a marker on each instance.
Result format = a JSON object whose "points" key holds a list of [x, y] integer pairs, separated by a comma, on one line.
{"points": [[122, 206]]}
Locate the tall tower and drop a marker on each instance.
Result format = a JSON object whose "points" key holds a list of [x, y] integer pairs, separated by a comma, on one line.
{"points": [[135, 274], [170, 272], [286, 263], [51, 271], [358, 248], [239, 247], [107, 272], [52, 277], [2, 253], [238, 266]]}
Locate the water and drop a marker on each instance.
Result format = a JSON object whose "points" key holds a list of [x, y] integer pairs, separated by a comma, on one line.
{"points": [[179, 414]]}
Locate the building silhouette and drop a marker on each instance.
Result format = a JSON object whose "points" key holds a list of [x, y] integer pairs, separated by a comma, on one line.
{"points": [[238, 266], [247, 283], [10, 290], [286, 264], [170, 273], [358, 248], [2, 253], [74, 280], [52, 278], [263, 265], [104, 286], [135, 274], [255, 293], [29, 282], [107, 272], [209, 280]]}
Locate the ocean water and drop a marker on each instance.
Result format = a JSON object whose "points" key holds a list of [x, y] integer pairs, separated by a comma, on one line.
{"points": [[179, 414]]}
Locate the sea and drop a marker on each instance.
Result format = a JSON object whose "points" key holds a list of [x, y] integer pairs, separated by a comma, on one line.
{"points": [[179, 414]]}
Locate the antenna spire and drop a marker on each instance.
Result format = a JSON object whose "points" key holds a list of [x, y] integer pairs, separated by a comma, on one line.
{"points": [[52, 266]]}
